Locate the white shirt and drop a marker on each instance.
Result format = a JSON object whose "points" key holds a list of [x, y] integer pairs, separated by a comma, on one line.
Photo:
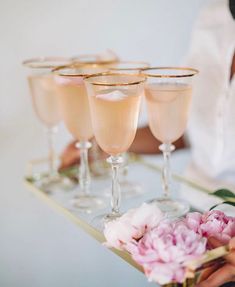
{"points": [[211, 128]]}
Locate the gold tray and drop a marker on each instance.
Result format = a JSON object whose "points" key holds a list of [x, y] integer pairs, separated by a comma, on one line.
{"points": [[151, 174]]}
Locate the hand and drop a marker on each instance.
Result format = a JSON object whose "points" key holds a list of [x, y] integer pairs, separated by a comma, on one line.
{"points": [[71, 156], [218, 275]]}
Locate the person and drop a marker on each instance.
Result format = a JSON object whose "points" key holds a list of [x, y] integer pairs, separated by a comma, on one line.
{"points": [[211, 129], [217, 275]]}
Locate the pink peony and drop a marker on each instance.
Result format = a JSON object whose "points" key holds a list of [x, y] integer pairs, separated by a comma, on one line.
{"points": [[164, 251], [212, 224], [164, 247], [131, 226]]}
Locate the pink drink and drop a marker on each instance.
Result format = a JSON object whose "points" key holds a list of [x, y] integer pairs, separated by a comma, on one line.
{"points": [[168, 107], [45, 98], [75, 110], [114, 118]]}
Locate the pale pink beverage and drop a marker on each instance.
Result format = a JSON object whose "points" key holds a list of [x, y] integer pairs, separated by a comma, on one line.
{"points": [[74, 107], [168, 108], [114, 118], [45, 98]]}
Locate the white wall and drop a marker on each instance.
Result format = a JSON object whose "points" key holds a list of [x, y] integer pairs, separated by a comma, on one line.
{"points": [[37, 246], [157, 31]]}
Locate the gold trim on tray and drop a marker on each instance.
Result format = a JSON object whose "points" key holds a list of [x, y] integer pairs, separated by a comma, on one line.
{"points": [[207, 259], [177, 177], [197, 265], [96, 234]]}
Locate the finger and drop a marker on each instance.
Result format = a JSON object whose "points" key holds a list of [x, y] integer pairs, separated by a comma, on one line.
{"points": [[206, 273], [69, 149], [64, 166], [214, 242], [223, 275], [70, 158], [232, 243], [231, 258]]}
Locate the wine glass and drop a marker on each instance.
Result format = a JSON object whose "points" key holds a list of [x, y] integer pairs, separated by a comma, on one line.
{"points": [[168, 93], [75, 112], [114, 102], [107, 57], [129, 188], [45, 103], [132, 67]]}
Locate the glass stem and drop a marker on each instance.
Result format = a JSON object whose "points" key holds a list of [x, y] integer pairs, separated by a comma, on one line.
{"points": [[116, 162], [125, 167], [166, 170], [51, 132], [84, 172], [95, 156]]}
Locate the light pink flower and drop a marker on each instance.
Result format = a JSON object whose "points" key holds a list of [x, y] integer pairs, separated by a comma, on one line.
{"points": [[118, 232], [164, 251], [145, 217], [131, 226], [194, 220], [212, 224]]}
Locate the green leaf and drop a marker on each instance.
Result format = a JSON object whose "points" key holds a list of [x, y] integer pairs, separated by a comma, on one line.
{"points": [[70, 171], [30, 179], [224, 193], [225, 202]]}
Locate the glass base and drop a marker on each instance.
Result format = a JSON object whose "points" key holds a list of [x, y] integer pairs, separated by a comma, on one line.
{"points": [[48, 183], [172, 208], [87, 203], [130, 189], [99, 221]]}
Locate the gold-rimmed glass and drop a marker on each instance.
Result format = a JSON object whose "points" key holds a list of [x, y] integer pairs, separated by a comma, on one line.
{"points": [[75, 112], [168, 93], [107, 57], [114, 102], [129, 188], [45, 103], [130, 67]]}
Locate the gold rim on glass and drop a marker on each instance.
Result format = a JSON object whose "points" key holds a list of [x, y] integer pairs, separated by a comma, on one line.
{"points": [[76, 66], [92, 59], [142, 65], [191, 72], [98, 83], [46, 62]]}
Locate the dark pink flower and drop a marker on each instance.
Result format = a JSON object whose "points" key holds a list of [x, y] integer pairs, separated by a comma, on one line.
{"points": [[212, 224]]}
